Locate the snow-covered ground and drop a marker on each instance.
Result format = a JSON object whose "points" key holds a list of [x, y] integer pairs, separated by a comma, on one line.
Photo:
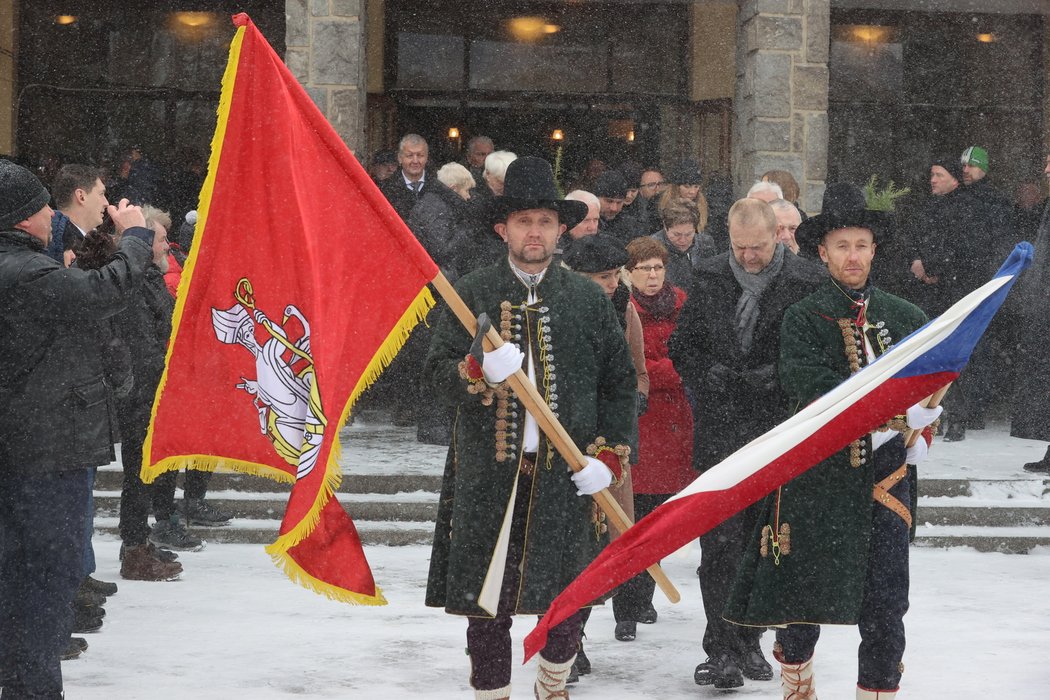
{"points": [[235, 627]]}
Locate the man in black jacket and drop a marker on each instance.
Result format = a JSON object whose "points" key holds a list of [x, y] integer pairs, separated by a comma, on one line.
{"points": [[726, 347], [412, 180], [56, 420]]}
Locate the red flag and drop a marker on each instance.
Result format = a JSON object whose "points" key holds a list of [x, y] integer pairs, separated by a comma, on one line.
{"points": [[922, 363], [302, 285]]}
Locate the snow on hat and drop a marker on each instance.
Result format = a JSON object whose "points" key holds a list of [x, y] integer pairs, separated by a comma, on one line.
{"points": [[975, 155], [21, 194], [596, 253], [610, 184], [953, 166]]}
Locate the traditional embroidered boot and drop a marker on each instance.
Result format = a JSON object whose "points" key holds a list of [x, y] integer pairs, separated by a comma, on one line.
{"points": [[865, 694], [497, 694], [550, 679], [796, 680]]}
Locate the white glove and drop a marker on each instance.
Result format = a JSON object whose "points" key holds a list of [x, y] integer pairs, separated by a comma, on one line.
{"points": [[592, 478], [501, 363], [919, 417], [917, 452], [881, 437]]}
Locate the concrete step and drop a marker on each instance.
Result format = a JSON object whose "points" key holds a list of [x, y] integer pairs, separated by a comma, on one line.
{"points": [[110, 479], [360, 507], [259, 531], [1008, 540]]}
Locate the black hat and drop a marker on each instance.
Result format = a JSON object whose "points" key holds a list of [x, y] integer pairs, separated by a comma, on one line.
{"points": [[595, 254], [632, 174], [529, 184], [384, 157], [844, 206], [952, 165], [686, 173], [21, 194], [611, 184]]}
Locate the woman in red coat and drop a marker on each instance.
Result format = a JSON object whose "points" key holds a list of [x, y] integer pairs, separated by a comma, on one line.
{"points": [[665, 431]]}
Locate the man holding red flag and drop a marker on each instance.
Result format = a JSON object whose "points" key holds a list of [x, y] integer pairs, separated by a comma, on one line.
{"points": [[514, 524], [832, 547]]}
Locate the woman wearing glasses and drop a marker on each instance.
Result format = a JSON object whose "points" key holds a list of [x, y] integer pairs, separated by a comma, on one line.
{"points": [[665, 431]]}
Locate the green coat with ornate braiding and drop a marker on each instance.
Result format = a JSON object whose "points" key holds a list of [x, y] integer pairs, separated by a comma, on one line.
{"points": [[584, 370], [808, 556]]}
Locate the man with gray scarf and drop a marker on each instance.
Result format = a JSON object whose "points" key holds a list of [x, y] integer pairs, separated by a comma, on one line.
{"points": [[726, 348]]}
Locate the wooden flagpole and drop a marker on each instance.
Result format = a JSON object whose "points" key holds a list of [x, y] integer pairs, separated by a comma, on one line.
{"points": [[549, 424]]}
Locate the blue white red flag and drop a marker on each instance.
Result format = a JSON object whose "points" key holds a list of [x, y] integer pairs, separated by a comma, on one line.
{"points": [[916, 367]]}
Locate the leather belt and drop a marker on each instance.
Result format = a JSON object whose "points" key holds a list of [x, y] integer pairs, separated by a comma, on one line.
{"points": [[881, 494]]}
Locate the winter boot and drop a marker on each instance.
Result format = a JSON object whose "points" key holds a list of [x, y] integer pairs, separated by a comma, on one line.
{"points": [[87, 619], [719, 670], [172, 534], [162, 554], [74, 648], [550, 679], [754, 666], [141, 564], [497, 694], [865, 694], [200, 512], [796, 680], [1040, 467], [102, 587]]}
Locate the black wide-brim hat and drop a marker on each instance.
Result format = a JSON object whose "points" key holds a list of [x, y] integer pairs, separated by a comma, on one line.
{"points": [[529, 184], [597, 253], [844, 207]]}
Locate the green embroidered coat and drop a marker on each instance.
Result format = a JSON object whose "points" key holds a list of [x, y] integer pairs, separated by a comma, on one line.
{"points": [[808, 556], [583, 368]]}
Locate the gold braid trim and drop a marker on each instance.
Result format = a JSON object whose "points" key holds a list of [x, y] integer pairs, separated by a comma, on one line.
{"points": [[622, 452]]}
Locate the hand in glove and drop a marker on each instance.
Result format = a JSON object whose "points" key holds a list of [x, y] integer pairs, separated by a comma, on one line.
{"points": [[592, 478], [919, 417], [917, 452], [763, 378], [721, 378], [501, 363]]}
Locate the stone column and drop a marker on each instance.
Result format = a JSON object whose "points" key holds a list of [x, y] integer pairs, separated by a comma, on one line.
{"points": [[325, 51], [8, 73], [781, 101]]}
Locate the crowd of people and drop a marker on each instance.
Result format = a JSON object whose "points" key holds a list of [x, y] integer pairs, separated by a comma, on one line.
{"points": [[87, 293], [664, 323], [732, 316]]}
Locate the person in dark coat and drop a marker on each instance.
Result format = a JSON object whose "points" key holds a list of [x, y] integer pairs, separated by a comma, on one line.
{"points": [[831, 545], [56, 422], [686, 244], [955, 250], [726, 348], [441, 219], [1031, 406], [514, 526], [611, 190], [412, 180]]}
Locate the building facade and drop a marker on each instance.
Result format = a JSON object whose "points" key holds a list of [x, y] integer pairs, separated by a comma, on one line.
{"points": [[826, 89]]}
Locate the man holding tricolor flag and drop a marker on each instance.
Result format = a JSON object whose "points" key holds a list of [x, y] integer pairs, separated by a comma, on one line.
{"points": [[832, 544], [842, 557], [284, 317]]}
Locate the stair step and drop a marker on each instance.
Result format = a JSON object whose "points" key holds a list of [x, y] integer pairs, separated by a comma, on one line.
{"points": [[111, 477], [258, 531]]}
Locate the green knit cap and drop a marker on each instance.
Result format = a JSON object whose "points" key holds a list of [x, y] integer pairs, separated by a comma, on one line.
{"points": [[975, 155]]}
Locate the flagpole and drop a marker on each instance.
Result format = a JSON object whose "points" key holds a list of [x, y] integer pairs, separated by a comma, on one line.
{"points": [[549, 424]]}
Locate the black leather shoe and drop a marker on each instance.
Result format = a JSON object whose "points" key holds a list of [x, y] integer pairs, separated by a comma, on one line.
{"points": [[1040, 467], [719, 671], [574, 675], [649, 616], [755, 667], [956, 432], [583, 664], [627, 630]]}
